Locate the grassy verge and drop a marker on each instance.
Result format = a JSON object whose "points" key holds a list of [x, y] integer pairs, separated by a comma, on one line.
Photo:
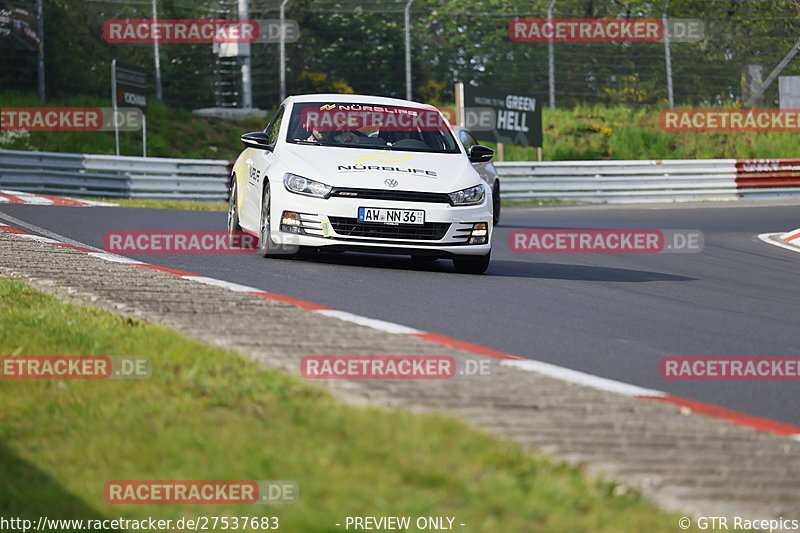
{"points": [[207, 413], [542, 202], [589, 132], [186, 205], [580, 133], [170, 133]]}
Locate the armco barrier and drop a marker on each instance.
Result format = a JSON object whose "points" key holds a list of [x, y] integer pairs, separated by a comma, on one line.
{"points": [[768, 178], [107, 176], [677, 180]]}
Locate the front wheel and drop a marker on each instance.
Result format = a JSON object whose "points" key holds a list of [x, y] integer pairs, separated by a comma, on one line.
{"points": [[471, 264], [496, 202], [233, 212], [266, 247]]}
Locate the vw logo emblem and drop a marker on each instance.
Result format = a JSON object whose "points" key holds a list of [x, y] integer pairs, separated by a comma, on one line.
{"points": [[391, 183]]}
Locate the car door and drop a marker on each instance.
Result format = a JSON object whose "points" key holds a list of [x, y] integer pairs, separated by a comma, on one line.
{"points": [[257, 167]]}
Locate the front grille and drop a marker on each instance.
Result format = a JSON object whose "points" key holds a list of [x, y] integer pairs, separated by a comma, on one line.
{"points": [[401, 196], [429, 231]]}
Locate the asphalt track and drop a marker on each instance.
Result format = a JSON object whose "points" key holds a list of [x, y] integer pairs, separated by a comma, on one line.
{"points": [[613, 315]]}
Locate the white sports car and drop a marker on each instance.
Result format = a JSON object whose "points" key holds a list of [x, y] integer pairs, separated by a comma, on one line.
{"points": [[340, 172]]}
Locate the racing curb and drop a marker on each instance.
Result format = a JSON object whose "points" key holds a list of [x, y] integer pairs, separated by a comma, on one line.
{"points": [[700, 465], [29, 198], [789, 240], [554, 371], [792, 237]]}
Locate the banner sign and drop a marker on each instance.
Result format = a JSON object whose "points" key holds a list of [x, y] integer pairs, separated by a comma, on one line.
{"points": [[517, 117]]}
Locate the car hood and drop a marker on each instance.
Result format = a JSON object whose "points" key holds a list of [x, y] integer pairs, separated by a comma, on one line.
{"points": [[357, 168]]}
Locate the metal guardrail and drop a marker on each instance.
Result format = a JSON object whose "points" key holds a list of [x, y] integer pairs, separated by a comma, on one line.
{"points": [[677, 180], [106, 176]]}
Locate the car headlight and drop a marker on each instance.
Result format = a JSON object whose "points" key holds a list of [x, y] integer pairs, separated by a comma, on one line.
{"points": [[300, 185], [472, 196]]}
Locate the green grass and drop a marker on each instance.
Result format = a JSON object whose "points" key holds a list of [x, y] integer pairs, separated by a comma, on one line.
{"points": [[581, 133], [207, 413], [596, 132], [170, 133], [542, 202], [186, 205]]}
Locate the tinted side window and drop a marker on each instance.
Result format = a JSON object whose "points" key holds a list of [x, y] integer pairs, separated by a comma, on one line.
{"points": [[467, 139], [274, 126]]}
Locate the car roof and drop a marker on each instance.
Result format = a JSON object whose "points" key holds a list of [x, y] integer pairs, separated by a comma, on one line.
{"points": [[354, 98]]}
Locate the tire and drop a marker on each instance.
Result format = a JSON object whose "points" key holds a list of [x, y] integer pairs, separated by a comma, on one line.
{"points": [[471, 264], [496, 202], [264, 240], [266, 247], [233, 212]]}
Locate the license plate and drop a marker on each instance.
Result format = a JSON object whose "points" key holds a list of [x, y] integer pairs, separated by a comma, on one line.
{"points": [[377, 215]]}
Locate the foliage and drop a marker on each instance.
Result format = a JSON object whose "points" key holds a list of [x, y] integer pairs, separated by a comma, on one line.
{"points": [[360, 45], [317, 82], [431, 92]]}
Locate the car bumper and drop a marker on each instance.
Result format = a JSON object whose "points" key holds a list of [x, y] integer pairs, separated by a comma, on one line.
{"points": [[332, 224]]}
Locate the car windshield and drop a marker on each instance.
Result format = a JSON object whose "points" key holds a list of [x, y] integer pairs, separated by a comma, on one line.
{"points": [[383, 127]]}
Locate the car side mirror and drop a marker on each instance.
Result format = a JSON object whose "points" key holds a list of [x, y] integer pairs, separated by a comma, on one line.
{"points": [[256, 139], [478, 153]]}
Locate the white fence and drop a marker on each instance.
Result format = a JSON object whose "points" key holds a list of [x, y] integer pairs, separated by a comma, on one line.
{"points": [[107, 176]]}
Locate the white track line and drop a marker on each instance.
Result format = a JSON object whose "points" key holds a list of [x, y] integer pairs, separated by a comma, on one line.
{"points": [[766, 238], [92, 203], [791, 235], [389, 327], [36, 229], [38, 238], [27, 198], [582, 378], [235, 287], [114, 258], [30, 198]]}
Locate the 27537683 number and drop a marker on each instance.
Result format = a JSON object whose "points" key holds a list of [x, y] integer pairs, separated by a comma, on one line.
{"points": [[234, 523]]}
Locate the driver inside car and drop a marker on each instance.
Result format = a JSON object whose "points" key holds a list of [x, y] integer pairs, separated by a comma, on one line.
{"points": [[345, 137], [341, 137]]}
